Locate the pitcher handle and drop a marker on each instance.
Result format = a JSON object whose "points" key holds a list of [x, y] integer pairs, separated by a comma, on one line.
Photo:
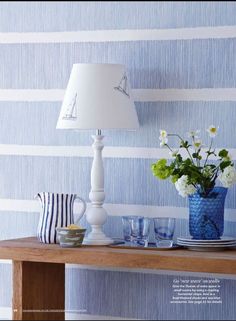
{"points": [[84, 206], [37, 196]]}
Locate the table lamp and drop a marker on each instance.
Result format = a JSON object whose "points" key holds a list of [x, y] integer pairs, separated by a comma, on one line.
{"points": [[97, 97]]}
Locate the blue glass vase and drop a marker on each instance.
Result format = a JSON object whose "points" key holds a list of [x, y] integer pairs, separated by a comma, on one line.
{"points": [[206, 214]]}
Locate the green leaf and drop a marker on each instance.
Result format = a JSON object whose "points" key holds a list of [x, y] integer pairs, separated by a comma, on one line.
{"points": [[184, 144], [179, 158], [187, 162], [225, 164], [212, 166], [223, 153], [176, 171]]}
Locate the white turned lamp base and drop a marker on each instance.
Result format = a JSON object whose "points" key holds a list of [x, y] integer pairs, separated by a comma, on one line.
{"points": [[96, 215], [96, 236], [97, 239]]}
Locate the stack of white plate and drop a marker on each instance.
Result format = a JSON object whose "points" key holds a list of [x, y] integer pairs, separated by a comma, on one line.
{"points": [[207, 245]]}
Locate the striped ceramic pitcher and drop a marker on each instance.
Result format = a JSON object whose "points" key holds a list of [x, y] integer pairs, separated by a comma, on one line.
{"points": [[57, 211]]}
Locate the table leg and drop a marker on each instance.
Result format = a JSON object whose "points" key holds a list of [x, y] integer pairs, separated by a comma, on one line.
{"points": [[38, 291]]}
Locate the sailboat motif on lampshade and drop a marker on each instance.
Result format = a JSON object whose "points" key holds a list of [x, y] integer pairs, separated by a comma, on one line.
{"points": [[71, 110], [123, 85]]}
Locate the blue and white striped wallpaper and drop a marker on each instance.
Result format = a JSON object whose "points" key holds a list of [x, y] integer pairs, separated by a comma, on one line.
{"points": [[184, 48], [151, 64]]}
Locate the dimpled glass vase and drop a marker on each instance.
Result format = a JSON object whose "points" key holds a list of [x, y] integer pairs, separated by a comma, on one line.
{"points": [[206, 214]]}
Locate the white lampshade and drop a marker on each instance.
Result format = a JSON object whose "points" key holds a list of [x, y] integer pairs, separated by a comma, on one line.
{"points": [[98, 96]]}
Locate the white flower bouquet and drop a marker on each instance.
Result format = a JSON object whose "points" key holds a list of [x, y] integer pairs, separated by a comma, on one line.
{"points": [[195, 173]]}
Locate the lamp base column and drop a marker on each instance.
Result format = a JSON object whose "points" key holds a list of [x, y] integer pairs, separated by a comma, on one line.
{"points": [[96, 216]]}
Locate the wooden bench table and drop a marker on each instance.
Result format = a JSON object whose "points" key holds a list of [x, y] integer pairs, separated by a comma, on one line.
{"points": [[39, 270]]}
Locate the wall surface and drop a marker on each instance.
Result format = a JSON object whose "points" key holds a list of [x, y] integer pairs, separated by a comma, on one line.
{"points": [[197, 61]]}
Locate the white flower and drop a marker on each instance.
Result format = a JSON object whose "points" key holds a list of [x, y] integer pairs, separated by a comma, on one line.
{"points": [[163, 134], [197, 143], [193, 133], [207, 171], [228, 177], [174, 152], [163, 137], [163, 141], [183, 187], [212, 130]]}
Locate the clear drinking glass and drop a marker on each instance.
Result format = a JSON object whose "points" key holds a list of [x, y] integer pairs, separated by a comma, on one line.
{"points": [[126, 228], [164, 231], [139, 230]]}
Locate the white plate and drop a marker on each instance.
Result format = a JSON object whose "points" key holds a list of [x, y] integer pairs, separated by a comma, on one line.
{"points": [[207, 245], [223, 239]]}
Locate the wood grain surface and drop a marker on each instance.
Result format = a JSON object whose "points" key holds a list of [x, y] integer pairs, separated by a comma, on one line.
{"points": [[29, 249], [38, 291]]}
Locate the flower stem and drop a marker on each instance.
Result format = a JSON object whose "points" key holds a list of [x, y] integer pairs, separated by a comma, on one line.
{"points": [[182, 140], [169, 147], [197, 152], [208, 153]]}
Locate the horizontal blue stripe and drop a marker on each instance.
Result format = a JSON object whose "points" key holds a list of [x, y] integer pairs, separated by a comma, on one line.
{"points": [[151, 64], [26, 226], [6, 289], [114, 228], [23, 177], [39, 119], [64, 16], [17, 224]]}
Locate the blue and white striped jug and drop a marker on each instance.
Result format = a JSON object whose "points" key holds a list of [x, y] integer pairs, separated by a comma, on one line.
{"points": [[57, 211]]}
